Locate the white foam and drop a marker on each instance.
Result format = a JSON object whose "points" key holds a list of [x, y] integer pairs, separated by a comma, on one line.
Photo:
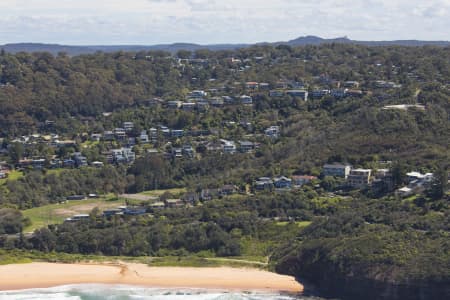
{"points": [[124, 292]]}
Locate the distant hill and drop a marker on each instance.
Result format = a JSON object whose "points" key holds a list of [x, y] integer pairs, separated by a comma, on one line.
{"points": [[301, 41]]}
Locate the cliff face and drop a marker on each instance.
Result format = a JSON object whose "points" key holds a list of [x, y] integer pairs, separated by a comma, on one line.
{"points": [[328, 280]]}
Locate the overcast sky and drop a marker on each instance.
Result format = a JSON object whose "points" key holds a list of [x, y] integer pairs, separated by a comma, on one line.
{"points": [[95, 22]]}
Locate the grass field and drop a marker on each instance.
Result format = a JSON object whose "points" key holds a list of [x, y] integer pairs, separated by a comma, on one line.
{"points": [[56, 213], [301, 224], [13, 175], [155, 193]]}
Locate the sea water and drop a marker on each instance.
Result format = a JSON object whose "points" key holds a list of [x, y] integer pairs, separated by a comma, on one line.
{"points": [[123, 292]]}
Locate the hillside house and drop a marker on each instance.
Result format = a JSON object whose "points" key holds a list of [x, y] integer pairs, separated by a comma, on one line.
{"points": [[120, 133], [359, 178], [276, 93], [246, 99], [319, 94], [188, 106], [209, 194], [299, 180], [263, 183], [197, 94], [351, 84], [177, 133], [282, 182], [128, 126], [272, 132], [143, 137], [174, 203], [173, 104], [336, 170], [228, 189], [228, 147], [383, 181], [302, 94], [80, 160], [246, 146]]}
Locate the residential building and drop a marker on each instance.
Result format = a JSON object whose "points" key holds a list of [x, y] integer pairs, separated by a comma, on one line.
{"points": [[272, 132], [276, 93], [338, 93], [246, 146], [135, 211], [417, 176], [217, 102], [188, 106], [246, 99], [264, 86], [177, 133], [404, 192], [251, 85], [80, 160], [228, 189], [143, 137], [353, 93], [96, 137], [337, 170], [228, 100], [282, 182], [188, 151], [263, 183], [120, 133], [122, 155], [157, 205], [302, 94], [197, 94], [177, 152], [351, 84], [228, 146], [69, 163], [128, 126], [174, 203], [97, 164], [202, 106], [359, 178], [108, 135], [300, 180], [318, 94], [209, 194], [174, 104], [190, 197], [383, 181], [153, 135]]}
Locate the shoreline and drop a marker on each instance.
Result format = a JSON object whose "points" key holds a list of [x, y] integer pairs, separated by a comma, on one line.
{"points": [[46, 275]]}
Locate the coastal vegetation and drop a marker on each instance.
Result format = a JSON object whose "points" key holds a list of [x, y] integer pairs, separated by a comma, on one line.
{"points": [[190, 202]]}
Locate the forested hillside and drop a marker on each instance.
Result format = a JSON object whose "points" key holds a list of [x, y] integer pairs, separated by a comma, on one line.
{"points": [[330, 161]]}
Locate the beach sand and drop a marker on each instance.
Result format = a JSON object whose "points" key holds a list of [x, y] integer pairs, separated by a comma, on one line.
{"points": [[43, 275]]}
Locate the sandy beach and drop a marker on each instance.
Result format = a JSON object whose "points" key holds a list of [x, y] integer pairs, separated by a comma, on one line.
{"points": [[42, 275]]}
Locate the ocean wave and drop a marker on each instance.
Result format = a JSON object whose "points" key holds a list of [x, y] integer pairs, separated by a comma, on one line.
{"points": [[124, 292]]}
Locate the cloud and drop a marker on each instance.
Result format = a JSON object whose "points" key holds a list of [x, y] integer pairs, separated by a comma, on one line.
{"points": [[214, 21]]}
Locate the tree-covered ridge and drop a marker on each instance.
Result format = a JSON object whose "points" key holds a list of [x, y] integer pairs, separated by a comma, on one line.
{"points": [[126, 123], [37, 87], [375, 246]]}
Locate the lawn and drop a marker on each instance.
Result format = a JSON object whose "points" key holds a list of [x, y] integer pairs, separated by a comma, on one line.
{"points": [[13, 175], [56, 213], [156, 193], [301, 224]]}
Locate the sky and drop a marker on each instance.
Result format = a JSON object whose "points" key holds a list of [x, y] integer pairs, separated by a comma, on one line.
{"points": [[149, 22]]}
